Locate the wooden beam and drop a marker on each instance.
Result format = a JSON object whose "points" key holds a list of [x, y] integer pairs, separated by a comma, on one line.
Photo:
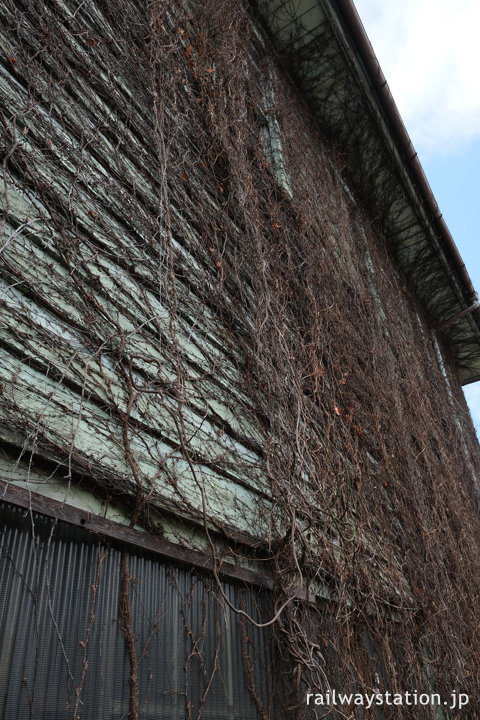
{"points": [[127, 536]]}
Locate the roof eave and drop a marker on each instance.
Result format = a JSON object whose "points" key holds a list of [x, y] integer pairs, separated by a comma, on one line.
{"points": [[321, 39]]}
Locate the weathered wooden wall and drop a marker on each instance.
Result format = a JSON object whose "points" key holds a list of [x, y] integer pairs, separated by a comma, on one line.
{"points": [[201, 324], [89, 329]]}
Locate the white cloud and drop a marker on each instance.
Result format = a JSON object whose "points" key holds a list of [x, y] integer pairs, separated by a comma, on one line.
{"points": [[430, 54], [472, 396]]}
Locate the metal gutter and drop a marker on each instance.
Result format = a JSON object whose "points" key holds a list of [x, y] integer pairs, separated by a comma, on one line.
{"points": [[348, 12]]}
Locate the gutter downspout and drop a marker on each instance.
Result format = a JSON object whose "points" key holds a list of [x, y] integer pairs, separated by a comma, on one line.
{"points": [[458, 315]]}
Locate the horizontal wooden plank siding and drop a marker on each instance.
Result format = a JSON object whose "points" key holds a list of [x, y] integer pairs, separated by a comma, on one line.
{"points": [[86, 301]]}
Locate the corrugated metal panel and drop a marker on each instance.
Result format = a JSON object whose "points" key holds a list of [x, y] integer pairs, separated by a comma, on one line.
{"points": [[62, 647]]}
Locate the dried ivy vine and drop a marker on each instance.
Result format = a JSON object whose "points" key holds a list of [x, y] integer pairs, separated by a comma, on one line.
{"points": [[270, 296]]}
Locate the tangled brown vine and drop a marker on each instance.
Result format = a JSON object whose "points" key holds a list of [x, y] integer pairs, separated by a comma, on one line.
{"points": [[230, 343]]}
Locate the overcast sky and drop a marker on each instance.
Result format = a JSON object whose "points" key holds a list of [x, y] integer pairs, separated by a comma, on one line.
{"points": [[429, 51]]}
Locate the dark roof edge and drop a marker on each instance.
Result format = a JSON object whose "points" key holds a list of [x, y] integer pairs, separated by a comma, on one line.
{"points": [[349, 15]]}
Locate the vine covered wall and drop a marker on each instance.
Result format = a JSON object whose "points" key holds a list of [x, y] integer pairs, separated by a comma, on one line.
{"points": [[201, 323]]}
